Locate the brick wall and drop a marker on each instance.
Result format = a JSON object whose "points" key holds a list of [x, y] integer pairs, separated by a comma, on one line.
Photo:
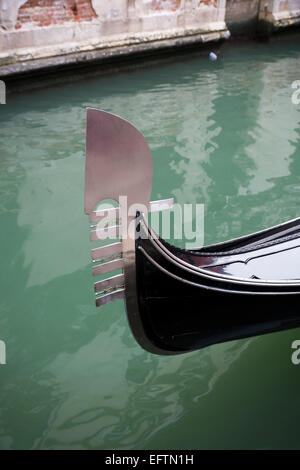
{"points": [[51, 12], [213, 3], [166, 4]]}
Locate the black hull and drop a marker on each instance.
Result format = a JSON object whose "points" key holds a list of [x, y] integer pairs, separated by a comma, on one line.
{"points": [[191, 299]]}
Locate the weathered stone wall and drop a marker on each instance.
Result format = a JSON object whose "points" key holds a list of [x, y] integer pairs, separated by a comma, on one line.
{"points": [[15, 14], [33, 30], [247, 16], [280, 13]]}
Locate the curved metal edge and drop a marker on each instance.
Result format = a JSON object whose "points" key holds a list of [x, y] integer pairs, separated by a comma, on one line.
{"points": [[249, 235], [215, 289], [204, 273]]}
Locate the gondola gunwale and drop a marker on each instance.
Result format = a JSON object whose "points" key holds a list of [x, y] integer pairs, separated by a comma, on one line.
{"points": [[209, 249], [155, 240], [213, 250], [211, 288], [244, 256]]}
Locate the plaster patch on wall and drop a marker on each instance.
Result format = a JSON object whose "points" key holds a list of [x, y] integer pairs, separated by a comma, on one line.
{"points": [[110, 10], [9, 13]]}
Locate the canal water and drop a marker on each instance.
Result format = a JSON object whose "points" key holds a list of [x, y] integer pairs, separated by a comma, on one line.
{"points": [[224, 134]]}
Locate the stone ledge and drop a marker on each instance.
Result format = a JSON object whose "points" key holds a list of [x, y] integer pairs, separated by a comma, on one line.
{"points": [[84, 37], [283, 19], [107, 52]]}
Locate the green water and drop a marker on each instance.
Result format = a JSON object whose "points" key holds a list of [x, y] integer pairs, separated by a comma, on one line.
{"points": [[225, 134]]}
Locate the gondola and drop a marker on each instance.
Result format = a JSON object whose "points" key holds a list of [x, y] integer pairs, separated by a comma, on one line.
{"points": [[179, 300]]}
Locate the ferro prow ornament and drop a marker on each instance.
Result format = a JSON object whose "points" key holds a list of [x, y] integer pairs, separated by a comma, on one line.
{"points": [[179, 300]]}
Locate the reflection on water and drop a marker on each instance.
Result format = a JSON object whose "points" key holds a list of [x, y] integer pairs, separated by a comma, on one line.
{"points": [[270, 161], [138, 400], [225, 134]]}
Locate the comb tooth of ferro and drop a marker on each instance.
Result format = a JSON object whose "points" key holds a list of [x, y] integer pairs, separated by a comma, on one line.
{"points": [[110, 256], [109, 214], [161, 205], [112, 231], [104, 253], [109, 285], [107, 267], [105, 299]]}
